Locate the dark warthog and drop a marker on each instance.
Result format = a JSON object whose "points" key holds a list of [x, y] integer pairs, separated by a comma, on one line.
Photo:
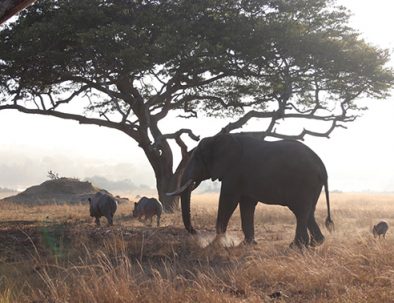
{"points": [[103, 204], [148, 207], [380, 229]]}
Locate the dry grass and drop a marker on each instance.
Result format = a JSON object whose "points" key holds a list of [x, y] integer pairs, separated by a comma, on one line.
{"points": [[56, 254]]}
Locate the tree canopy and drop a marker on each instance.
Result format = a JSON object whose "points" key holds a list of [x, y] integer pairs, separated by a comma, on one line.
{"points": [[8, 8], [127, 64]]}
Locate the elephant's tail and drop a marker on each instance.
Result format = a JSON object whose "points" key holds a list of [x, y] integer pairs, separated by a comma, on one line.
{"points": [[329, 223]]}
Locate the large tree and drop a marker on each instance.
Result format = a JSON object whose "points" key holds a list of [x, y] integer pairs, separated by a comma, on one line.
{"points": [[128, 64]]}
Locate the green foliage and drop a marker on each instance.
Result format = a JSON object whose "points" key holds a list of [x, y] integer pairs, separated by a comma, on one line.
{"points": [[261, 51]]}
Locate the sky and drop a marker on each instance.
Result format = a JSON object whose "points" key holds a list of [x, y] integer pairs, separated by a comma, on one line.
{"points": [[357, 159]]}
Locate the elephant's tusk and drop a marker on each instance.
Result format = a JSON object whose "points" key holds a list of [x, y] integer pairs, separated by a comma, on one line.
{"points": [[181, 189]]}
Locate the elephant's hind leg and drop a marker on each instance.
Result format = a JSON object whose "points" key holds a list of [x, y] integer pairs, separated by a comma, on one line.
{"points": [[247, 208], [301, 236], [317, 237]]}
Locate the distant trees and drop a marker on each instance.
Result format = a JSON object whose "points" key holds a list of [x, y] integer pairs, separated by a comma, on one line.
{"points": [[7, 190], [52, 175], [128, 65]]}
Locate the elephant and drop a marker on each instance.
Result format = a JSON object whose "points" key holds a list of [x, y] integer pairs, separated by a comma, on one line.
{"points": [[251, 170]]}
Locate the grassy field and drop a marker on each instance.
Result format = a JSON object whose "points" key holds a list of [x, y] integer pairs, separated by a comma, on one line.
{"points": [[56, 254]]}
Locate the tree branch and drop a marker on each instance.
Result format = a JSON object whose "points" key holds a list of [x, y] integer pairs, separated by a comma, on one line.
{"points": [[56, 103], [300, 136], [91, 84], [182, 145], [177, 134], [244, 119], [131, 131]]}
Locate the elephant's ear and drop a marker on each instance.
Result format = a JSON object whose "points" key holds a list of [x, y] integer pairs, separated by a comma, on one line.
{"points": [[226, 152]]}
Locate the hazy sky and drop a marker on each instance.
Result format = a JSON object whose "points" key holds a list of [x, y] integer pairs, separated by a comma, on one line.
{"points": [[357, 159]]}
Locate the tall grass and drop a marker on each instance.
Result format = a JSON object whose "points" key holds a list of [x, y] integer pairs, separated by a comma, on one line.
{"points": [[131, 262]]}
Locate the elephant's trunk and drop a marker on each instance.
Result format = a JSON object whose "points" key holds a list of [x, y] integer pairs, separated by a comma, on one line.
{"points": [[185, 204], [191, 178]]}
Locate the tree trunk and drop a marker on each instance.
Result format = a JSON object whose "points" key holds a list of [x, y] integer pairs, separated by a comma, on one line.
{"points": [[168, 181], [164, 185], [171, 204]]}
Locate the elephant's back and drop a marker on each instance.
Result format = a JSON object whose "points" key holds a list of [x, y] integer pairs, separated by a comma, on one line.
{"points": [[284, 159], [296, 152]]}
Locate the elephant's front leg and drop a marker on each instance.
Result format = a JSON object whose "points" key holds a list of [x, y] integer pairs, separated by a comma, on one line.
{"points": [[227, 204], [247, 208]]}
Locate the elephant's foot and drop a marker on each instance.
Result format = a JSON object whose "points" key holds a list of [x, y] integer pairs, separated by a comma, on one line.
{"points": [[298, 245], [249, 242], [192, 231], [317, 241], [219, 238], [222, 240]]}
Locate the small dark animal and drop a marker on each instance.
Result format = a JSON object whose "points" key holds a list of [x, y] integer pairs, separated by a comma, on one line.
{"points": [[148, 207], [103, 205], [380, 229]]}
